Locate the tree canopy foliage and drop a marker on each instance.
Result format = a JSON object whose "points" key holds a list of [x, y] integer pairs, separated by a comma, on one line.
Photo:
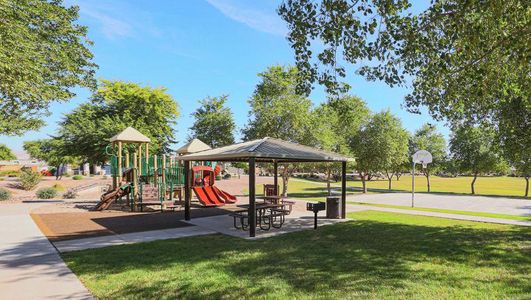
{"points": [[51, 150], [380, 145], [466, 61], [214, 122], [112, 108], [277, 110], [427, 138], [6, 153], [474, 149], [43, 55]]}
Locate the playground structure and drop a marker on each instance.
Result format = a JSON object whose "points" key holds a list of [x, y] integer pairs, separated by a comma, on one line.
{"points": [[203, 186], [153, 180]]}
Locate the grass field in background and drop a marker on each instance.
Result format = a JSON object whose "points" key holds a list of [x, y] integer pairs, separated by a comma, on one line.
{"points": [[379, 255], [449, 211], [492, 186]]}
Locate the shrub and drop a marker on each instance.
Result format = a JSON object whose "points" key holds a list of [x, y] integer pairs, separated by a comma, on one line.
{"points": [[29, 179], [5, 194], [227, 176], [218, 177], [77, 177], [66, 175], [46, 193], [70, 194]]}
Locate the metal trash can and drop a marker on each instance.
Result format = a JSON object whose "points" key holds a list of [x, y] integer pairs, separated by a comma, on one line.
{"points": [[332, 208]]}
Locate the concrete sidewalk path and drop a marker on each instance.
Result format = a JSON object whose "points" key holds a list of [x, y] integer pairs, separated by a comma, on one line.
{"points": [[129, 238], [30, 267], [356, 207], [488, 204]]}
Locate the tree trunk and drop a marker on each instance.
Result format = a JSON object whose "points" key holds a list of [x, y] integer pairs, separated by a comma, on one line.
{"points": [[473, 182], [364, 184], [526, 186], [329, 173], [389, 179], [285, 178], [398, 174], [427, 174]]}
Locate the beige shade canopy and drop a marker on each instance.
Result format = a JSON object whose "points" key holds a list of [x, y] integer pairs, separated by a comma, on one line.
{"points": [[195, 145], [130, 135], [267, 150]]}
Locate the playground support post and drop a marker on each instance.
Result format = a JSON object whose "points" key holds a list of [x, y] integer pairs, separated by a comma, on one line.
{"points": [[252, 198], [187, 192], [164, 171], [127, 160], [139, 159], [135, 181], [155, 170], [119, 162]]}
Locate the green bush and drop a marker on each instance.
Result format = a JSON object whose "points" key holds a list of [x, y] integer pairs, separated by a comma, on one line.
{"points": [[46, 193], [29, 179], [70, 194], [5, 194], [77, 177], [218, 177]]}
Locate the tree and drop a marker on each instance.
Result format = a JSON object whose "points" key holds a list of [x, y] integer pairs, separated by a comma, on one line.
{"points": [[214, 123], [427, 138], [6, 153], [473, 148], [278, 111], [516, 143], [335, 122], [112, 108], [43, 55], [466, 61], [51, 150], [380, 145]]}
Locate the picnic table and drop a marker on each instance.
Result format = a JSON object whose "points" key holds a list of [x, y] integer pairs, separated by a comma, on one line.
{"points": [[267, 215]]}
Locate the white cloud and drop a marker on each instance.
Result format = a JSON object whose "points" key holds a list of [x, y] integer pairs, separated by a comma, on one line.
{"points": [[261, 20], [110, 27]]}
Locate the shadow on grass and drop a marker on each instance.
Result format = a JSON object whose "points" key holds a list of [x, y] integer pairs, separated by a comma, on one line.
{"points": [[362, 258]]}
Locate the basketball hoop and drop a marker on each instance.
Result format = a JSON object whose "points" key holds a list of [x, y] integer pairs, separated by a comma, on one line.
{"points": [[420, 157]]}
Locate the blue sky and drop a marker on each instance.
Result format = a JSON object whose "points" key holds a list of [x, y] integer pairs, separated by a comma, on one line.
{"points": [[196, 49]]}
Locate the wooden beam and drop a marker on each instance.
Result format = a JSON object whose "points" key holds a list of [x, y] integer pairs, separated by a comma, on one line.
{"points": [[119, 163], [252, 198], [343, 189], [187, 191]]}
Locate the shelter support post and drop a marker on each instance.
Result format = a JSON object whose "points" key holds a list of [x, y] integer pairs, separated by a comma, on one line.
{"points": [[135, 182], [343, 189], [252, 198], [187, 194], [275, 176]]}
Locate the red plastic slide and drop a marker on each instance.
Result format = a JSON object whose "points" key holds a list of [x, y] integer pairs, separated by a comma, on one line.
{"points": [[207, 197], [228, 198]]}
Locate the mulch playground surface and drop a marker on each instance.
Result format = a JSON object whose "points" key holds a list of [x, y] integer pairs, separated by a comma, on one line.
{"points": [[70, 225]]}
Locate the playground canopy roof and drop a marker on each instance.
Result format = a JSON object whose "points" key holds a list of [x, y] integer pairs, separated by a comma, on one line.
{"points": [[266, 150], [195, 145], [130, 135]]}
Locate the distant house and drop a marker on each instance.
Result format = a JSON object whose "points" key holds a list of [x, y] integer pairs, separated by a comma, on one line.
{"points": [[17, 164]]}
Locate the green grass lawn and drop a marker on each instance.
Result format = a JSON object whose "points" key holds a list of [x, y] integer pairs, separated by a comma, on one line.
{"points": [[492, 186], [380, 255], [450, 211]]}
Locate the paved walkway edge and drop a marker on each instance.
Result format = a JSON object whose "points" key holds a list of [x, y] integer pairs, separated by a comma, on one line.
{"points": [[354, 207], [129, 238]]}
